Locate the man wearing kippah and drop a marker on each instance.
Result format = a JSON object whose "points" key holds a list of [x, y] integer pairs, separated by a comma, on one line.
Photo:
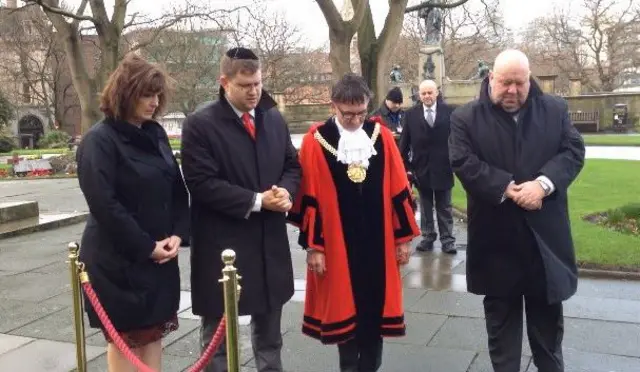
{"points": [[242, 172]]}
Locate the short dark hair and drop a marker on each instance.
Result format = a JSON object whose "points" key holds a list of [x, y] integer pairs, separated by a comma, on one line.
{"points": [[132, 79], [239, 60], [351, 89]]}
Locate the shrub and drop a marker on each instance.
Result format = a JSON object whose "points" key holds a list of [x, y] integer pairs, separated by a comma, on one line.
{"points": [[7, 142], [54, 140], [63, 163]]}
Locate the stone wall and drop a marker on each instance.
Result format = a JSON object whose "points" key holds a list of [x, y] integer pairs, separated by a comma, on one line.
{"points": [[604, 103], [301, 117]]}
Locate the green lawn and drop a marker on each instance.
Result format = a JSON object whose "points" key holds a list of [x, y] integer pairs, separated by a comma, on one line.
{"points": [[602, 185], [611, 140]]}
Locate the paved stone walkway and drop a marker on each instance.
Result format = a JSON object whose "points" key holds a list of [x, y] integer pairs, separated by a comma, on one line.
{"points": [[445, 323]]}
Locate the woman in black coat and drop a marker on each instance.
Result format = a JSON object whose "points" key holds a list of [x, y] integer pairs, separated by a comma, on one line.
{"points": [[139, 213]]}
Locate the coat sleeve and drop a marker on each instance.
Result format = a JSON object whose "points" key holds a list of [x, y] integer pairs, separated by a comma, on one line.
{"points": [[291, 174], [563, 168], [305, 213], [181, 218], [97, 166], [405, 141], [202, 174], [403, 203], [478, 178]]}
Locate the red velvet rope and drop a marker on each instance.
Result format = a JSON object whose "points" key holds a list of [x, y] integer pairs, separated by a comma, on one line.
{"points": [[126, 351]]}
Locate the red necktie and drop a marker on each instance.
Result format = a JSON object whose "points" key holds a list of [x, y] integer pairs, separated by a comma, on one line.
{"points": [[248, 125]]}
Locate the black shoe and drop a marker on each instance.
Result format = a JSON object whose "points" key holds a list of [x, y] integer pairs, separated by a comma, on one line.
{"points": [[425, 246], [449, 248]]}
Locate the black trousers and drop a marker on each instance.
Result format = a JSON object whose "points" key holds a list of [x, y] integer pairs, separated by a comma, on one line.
{"points": [[545, 328], [266, 340], [360, 355], [441, 199], [545, 322]]}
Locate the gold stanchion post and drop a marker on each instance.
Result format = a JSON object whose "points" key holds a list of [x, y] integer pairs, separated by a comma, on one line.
{"points": [[78, 319], [230, 280]]}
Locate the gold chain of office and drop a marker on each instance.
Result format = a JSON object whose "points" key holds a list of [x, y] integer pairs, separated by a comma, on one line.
{"points": [[356, 172]]}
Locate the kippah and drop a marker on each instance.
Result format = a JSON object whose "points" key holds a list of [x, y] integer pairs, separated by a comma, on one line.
{"points": [[241, 53]]}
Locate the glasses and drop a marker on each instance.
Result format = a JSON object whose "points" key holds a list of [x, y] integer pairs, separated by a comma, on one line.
{"points": [[248, 86], [352, 115]]}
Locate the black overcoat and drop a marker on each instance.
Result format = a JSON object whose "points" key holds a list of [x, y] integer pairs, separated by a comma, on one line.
{"points": [[429, 147], [136, 196], [489, 149], [224, 168]]}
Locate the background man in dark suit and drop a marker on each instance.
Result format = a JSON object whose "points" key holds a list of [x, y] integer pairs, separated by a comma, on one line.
{"points": [[516, 152], [242, 172], [425, 136]]}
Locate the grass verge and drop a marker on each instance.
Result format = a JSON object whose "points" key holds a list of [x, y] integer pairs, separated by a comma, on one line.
{"points": [[603, 185]]}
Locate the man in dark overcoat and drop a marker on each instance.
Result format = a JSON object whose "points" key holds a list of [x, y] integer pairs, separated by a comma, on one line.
{"points": [[424, 145], [516, 152], [242, 172]]}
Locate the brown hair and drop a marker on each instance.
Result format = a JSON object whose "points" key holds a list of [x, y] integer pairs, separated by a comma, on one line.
{"points": [[230, 67], [132, 79]]}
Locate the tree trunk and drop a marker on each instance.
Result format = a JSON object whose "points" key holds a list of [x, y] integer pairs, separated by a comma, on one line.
{"points": [[82, 82], [340, 56], [341, 33], [375, 52]]}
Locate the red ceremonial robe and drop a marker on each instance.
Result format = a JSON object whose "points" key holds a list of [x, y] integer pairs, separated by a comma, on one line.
{"points": [[357, 226]]}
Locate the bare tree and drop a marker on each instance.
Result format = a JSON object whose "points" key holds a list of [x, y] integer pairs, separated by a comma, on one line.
{"points": [[109, 39], [375, 51], [33, 56], [288, 66], [597, 44], [191, 55], [341, 32]]}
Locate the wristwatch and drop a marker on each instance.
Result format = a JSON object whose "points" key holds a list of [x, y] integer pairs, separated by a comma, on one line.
{"points": [[545, 187]]}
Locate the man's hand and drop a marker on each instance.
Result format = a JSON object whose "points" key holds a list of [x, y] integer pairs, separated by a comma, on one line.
{"points": [[276, 199], [403, 251], [315, 261], [512, 190], [529, 196]]}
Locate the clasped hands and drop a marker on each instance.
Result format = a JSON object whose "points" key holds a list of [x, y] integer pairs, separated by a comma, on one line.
{"points": [[276, 199], [527, 195], [166, 249], [317, 264]]}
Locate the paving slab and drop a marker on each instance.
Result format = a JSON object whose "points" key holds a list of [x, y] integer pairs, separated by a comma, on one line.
{"points": [[56, 327], [15, 314], [602, 337], [482, 363], [420, 329], [610, 309], [468, 334], [578, 361], [33, 286], [450, 303], [9, 342], [52, 356]]}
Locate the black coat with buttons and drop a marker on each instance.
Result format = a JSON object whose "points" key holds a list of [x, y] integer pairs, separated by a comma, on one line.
{"points": [[136, 196]]}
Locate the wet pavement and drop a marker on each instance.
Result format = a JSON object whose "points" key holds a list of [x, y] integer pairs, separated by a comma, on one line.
{"points": [[445, 324]]}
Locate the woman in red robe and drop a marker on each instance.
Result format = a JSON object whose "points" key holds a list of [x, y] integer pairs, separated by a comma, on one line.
{"points": [[356, 216]]}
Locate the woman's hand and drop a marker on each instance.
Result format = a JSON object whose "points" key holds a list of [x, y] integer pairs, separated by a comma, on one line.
{"points": [[166, 249]]}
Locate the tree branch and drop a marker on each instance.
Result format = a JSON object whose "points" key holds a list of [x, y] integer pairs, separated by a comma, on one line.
{"points": [[428, 4], [56, 10]]}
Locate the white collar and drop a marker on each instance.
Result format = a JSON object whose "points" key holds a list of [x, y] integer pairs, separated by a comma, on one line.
{"points": [[433, 107], [354, 146], [240, 113]]}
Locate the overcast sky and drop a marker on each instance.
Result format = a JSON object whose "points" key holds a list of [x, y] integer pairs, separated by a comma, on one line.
{"points": [[307, 15]]}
